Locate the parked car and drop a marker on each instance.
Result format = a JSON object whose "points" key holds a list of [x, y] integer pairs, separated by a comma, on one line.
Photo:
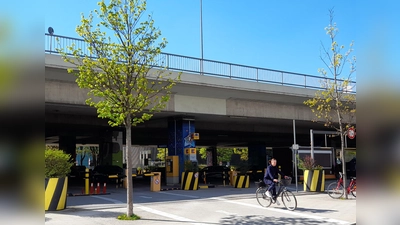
{"points": [[102, 173], [77, 172], [214, 174]]}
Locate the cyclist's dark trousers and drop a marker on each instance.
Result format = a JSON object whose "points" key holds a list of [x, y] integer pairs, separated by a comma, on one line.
{"points": [[271, 187]]}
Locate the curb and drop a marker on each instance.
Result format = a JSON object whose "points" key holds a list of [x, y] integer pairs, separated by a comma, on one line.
{"points": [[207, 186], [73, 195], [169, 189]]}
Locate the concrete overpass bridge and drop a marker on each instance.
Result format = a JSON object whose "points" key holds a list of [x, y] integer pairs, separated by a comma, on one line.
{"points": [[230, 105]]}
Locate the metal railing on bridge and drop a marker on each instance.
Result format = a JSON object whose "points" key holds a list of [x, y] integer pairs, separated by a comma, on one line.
{"points": [[210, 67]]}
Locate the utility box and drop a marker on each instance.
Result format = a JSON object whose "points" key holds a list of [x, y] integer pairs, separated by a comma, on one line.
{"points": [[155, 182], [172, 169]]}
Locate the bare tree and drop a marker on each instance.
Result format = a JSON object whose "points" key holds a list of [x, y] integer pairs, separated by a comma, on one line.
{"points": [[335, 105]]}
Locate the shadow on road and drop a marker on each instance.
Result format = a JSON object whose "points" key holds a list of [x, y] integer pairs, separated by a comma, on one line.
{"points": [[251, 220], [314, 210]]}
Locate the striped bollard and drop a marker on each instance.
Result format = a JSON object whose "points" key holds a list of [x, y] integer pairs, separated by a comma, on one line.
{"points": [[104, 188]]}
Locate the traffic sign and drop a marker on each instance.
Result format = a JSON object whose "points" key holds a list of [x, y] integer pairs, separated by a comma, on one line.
{"points": [[351, 133], [295, 147]]}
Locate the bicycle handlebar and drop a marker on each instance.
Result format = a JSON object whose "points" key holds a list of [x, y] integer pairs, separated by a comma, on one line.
{"points": [[341, 176]]}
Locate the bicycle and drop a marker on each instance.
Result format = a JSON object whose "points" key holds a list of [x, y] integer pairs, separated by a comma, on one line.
{"points": [[336, 190], [287, 197]]}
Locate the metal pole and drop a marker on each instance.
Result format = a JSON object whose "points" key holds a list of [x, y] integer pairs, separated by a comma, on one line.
{"points": [[175, 135], [326, 141], [295, 153], [312, 143], [201, 36], [294, 131]]}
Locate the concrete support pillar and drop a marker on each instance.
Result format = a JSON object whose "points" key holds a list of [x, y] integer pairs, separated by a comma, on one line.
{"points": [[67, 143], [180, 132], [105, 149], [257, 154]]}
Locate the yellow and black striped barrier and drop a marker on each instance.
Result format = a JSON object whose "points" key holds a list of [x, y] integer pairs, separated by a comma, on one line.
{"points": [[190, 181], [241, 181], [55, 197], [314, 180]]}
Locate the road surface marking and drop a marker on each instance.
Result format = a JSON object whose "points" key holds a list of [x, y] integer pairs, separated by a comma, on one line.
{"points": [[142, 196], [107, 199], [189, 196], [225, 212], [169, 215], [283, 211]]}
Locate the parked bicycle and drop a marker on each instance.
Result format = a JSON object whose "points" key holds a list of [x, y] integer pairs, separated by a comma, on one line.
{"points": [[336, 190], [287, 197]]}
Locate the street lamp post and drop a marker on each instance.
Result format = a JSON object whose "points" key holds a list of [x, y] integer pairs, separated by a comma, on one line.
{"points": [[201, 36]]}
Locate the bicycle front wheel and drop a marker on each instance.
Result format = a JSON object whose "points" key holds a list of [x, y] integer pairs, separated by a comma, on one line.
{"points": [[353, 189], [335, 190], [289, 200], [262, 198]]}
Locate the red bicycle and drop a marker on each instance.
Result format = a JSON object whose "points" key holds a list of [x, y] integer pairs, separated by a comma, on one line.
{"points": [[336, 190]]}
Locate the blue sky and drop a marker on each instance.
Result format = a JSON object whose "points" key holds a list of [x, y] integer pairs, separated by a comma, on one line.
{"points": [[281, 35]]}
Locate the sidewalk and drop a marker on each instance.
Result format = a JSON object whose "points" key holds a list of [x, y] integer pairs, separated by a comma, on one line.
{"points": [[90, 213]]}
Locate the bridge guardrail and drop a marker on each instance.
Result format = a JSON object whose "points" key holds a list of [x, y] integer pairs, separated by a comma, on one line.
{"points": [[210, 67]]}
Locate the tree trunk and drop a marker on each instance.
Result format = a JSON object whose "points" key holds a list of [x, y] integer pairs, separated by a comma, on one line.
{"points": [[342, 137], [82, 158], [129, 190]]}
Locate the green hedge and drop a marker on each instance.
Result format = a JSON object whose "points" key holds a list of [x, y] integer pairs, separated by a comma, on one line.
{"points": [[57, 163]]}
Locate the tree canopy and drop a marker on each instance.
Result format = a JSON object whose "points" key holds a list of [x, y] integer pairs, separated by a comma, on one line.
{"points": [[122, 68]]}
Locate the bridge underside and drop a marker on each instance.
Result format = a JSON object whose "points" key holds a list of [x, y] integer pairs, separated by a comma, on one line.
{"points": [[214, 130]]}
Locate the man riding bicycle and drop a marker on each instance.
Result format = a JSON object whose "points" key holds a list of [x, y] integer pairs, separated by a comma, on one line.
{"points": [[271, 178]]}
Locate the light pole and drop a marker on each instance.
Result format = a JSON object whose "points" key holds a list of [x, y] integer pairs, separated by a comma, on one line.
{"points": [[201, 36]]}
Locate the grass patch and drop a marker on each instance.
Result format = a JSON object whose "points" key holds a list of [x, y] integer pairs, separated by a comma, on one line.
{"points": [[125, 217]]}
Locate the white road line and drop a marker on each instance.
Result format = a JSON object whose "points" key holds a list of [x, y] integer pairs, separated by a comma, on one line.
{"points": [[226, 213], [284, 211], [108, 199], [172, 216], [142, 196], [189, 196]]}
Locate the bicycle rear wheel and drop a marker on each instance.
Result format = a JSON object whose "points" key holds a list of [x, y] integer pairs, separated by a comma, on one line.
{"points": [[353, 189], [262, 199], [289, 200], [335, 191]]}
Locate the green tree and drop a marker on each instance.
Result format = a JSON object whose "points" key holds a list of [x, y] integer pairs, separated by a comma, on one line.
{"points": [[162, 153], [335, 105], [243, 152], [94, 152], [83, 151], [122, 83], [203, 152], [224, 154]]}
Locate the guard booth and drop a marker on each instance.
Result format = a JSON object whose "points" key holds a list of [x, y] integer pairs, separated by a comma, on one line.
{"points": [[323, 156], [172, 169]]}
